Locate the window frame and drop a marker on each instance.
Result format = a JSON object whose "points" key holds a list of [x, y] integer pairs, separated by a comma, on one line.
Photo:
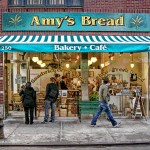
{"points": [[45, 3]]}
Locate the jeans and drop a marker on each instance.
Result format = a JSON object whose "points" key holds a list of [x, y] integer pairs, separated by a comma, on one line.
{"points": [[49, 104], [105, 108]]}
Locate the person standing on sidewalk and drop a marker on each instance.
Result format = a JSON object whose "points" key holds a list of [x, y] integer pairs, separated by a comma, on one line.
{"points": [[104, 97], [51, 96], [28, 100]]}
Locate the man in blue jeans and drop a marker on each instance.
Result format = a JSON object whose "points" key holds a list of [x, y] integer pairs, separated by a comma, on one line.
{"points": [[50, 101], [104, 97]]}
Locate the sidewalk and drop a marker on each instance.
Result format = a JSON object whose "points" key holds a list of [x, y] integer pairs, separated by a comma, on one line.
{"points": [[67, 131]]}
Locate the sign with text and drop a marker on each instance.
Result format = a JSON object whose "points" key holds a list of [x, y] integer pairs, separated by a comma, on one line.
{"points": [[48, 21]]}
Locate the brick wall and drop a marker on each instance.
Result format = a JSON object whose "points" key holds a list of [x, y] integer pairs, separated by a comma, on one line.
{"points": [[112, 6]]}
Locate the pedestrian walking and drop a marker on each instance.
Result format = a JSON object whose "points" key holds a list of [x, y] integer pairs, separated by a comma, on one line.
{"points": [[28, 100], [104, 97], [50, 99]]}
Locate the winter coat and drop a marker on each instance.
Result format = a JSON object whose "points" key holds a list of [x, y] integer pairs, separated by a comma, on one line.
{"points": [[28, 97]]}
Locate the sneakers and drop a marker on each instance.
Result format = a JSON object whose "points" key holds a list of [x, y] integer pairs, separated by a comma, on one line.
{"points": [[51, 121], [117, 125], [92, 125], [43, 122]]}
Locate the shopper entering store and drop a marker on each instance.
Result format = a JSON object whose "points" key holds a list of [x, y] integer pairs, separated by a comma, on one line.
{"points": [[50, 99], [28, 100], [104, 97]]}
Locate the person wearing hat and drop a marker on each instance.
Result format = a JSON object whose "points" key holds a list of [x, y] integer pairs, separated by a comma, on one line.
{"points": [[104, 97], [51, 96]]}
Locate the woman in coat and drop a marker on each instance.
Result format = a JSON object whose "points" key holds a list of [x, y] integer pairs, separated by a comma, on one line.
{"points": [[28, 100]]}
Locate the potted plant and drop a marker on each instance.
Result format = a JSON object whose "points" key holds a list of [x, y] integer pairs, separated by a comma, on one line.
{"points": [[94, 96]]}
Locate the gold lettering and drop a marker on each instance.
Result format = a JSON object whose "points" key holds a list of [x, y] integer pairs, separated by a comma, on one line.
{"points": [[59, 21], [102, 21], [71, 22], [119, 21], [94, 21], [110, 22], [36, 21], [86, 20], [48, 21]]}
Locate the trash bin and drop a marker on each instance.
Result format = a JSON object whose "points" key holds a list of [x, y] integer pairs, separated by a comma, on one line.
{"points": [[1, 129]]}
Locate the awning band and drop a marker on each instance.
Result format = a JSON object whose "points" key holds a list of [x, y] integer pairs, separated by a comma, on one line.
{"points": [[61, 39]]}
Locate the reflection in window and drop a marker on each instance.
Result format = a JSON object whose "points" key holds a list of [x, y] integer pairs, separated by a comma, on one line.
{"points": [[16, 2], [34, 2], [74, 2], [56, 2]]}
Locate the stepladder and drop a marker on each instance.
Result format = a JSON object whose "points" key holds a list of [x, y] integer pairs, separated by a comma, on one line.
{"points": [[139, 107]]}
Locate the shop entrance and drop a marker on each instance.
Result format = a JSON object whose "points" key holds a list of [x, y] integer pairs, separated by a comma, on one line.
{"points": [[126, 71]]}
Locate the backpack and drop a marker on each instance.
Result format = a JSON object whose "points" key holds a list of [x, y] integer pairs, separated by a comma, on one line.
{"points": [[53, 93]]}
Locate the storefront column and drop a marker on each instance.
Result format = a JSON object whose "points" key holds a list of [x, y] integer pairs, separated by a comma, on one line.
{"points": [[84, 74], [1, 95], [148, 105], [15, 90]]}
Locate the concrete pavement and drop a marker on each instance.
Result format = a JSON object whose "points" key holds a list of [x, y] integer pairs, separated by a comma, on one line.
{"points": [[69, 131]]}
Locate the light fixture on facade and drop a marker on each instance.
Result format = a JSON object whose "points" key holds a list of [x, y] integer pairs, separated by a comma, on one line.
{"points": [[67, 65], [39, 62], [132, 64], [43, 65], [35, 59]]}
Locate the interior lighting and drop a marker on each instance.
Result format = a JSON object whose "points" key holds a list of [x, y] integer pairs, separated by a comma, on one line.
{"points": [[35, 59], [89, 62], [43, 65], [39, 62], [132, 64], [67, 65], [93, 59], [102, 65], [102, 61]]}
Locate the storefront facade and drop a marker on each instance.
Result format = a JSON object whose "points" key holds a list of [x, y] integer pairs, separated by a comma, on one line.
{"points": [[25, 28]]}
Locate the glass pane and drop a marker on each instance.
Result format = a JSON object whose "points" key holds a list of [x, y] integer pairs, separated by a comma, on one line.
{"points": [[56, 2], [74, 2], [34, 2], [16, 2]]}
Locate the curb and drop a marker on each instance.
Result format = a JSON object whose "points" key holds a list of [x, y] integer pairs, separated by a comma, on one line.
{"points": [[78, 145]]}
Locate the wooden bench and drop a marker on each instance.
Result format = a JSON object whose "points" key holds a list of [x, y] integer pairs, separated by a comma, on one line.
{"points": [[87, 107]]}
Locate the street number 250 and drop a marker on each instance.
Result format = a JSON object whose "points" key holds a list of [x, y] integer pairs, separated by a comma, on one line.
{"points": [[6, 48]]}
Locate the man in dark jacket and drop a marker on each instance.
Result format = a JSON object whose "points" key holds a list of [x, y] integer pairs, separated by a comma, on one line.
{"points": [[63, 84], [50, 99], [28, 100]]}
